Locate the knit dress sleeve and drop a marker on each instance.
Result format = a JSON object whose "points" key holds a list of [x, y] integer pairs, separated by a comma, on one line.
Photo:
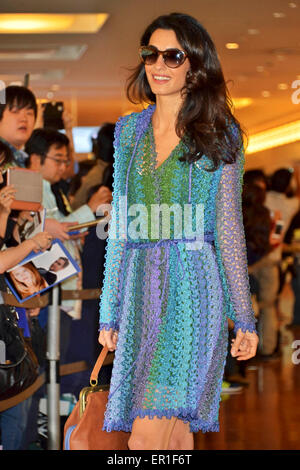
{"points": [[114, 248], [230, 246]]}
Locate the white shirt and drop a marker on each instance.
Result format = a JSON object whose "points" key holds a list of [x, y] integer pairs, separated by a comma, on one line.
{"points": [[81, 215], [288, 206]]}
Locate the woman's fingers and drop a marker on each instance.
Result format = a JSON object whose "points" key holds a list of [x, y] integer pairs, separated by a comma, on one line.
{"points": [[247, 354], [237, 343], [10, 189], [108, 338], [244, 345], [7, 196]]}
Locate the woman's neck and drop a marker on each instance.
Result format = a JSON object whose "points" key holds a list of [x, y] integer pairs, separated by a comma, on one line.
{"points": [[166, 112]]}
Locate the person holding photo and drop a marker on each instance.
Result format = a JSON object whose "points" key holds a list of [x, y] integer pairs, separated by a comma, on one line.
{"points": [[40, 242], [13, 421]]}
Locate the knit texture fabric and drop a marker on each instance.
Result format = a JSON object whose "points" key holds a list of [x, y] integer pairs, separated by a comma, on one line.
{"points": [[169, 302]]}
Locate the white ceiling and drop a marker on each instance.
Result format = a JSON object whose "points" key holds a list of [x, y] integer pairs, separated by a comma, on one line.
{"points": [[93, 84]]}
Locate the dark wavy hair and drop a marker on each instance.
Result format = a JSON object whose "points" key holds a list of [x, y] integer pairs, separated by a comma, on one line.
{"points": [[205, 121]]}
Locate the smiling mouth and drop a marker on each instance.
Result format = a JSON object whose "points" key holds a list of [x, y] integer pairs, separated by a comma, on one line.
{"points": [[22, 128], [161, 78]]}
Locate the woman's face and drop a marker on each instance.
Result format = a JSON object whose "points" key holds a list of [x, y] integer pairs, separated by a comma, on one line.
{"points": [[162, 79], [24, 275]]}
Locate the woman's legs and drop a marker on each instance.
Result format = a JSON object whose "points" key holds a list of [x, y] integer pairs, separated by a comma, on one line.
{"points": [[151, 434], [181, 438], [160, 434]]}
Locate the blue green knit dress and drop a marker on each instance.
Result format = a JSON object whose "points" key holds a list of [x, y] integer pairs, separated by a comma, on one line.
{"points": [[168, 297]]}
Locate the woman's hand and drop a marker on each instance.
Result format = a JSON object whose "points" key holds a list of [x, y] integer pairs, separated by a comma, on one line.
{"points": [[108, 338], [24, 216], [42, 241], [7, 196], [244, 346]]}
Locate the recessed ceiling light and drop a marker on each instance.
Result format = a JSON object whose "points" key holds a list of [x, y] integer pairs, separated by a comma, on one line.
{"points": [[240, 103], [253, 31], [36, 23], [265, 93], [278, 14], [232, 45], [282, 86]]}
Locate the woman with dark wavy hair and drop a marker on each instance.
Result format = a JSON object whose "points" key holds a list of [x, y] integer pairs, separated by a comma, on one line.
{"points": [[168, 292]]}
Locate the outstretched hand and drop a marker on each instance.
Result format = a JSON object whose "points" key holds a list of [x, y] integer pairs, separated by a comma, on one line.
{"points": [[244, 346]]}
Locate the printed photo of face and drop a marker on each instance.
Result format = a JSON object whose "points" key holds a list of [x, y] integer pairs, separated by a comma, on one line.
{"points": [[59, 264], [27, 280]]}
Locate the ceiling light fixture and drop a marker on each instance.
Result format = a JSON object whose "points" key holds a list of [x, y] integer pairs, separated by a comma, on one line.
{"points": [[240, 103], [232, 45], [51, 23], [282, 86], [282, 135]]}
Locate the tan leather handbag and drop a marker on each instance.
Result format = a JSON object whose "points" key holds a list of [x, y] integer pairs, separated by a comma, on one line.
{"points": [[83, 428]]}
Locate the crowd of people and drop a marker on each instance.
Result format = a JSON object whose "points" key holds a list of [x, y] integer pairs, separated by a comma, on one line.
{"points": [[271, 217], [50, 152], [71, 194]]}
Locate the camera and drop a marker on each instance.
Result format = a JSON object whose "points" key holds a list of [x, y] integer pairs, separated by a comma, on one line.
{"points": [[53, 115]]}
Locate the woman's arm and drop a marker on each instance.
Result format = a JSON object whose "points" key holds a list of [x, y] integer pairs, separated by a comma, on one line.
{"points": [[231, 246], [7, 196], [12, 256], [113, 253]]}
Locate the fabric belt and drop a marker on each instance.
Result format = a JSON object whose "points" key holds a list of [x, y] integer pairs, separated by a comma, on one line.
{"points": [[208, 237]]}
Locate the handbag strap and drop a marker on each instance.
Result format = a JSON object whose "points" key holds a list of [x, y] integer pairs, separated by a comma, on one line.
{"points": [[97, 367]]}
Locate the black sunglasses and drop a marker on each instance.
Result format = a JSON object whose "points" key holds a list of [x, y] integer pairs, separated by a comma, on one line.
{"points": [[173, 58]]}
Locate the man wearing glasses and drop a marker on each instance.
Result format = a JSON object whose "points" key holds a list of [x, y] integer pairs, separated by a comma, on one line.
{"points": [[48, 154]]}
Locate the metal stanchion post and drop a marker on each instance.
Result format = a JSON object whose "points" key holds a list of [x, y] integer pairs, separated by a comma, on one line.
{"points": [[53, 380]]}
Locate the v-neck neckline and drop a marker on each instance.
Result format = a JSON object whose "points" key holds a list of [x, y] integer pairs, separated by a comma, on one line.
{"points": [[156, 168]]}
